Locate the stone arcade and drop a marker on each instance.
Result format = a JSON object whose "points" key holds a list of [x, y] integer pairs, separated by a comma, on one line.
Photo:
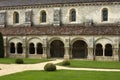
{"points": [[83, 29]]}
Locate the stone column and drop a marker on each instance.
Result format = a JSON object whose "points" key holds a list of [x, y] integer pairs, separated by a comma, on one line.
{"points": [[46, 49], [5, 50], [24, 50], [48, 52], [24, 47], [103, 51], [67, 56], [115, 54], [70, 52], [67, 49], [94, 53], [44, 52], [8, 49], [5, 47], [15, 48], [119, 53], [35, 50], [90, 54]]}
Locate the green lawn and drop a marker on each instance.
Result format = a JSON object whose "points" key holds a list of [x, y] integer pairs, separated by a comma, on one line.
{"points": [[26, 60], [63, 75], [94, 64]]}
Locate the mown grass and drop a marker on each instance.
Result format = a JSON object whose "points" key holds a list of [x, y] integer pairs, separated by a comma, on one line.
{"points": [[26, 60], [94, 64], [63, 75]]}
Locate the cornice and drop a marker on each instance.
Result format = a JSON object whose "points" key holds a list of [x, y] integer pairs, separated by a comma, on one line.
{"points": [[58, 5]]}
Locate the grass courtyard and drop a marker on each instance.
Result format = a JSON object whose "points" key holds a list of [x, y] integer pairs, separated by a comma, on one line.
{"points": [[26, 60], [94, 64], [63, 75]]}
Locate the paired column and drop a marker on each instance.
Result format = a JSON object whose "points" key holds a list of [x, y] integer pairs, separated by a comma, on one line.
{"points": [[25, 48], [6, 49], [45, 50], [116, 54], [91, 54], [67, 49]]}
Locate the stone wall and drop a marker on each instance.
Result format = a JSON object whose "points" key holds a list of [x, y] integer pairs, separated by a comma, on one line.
{"points": [[67, 41], [84, 13]]}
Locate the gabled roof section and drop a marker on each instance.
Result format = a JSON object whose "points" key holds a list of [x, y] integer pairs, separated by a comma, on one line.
{"points": [[4, 3], [62, 30]]}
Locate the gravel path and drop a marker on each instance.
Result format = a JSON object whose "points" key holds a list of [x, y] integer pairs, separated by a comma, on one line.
{"points": [[13, 68]]}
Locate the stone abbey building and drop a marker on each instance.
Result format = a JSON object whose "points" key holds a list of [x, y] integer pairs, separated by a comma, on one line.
{"points": [[82, 29]]}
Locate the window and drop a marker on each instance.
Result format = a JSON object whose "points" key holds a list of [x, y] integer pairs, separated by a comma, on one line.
{"points": [[39, 48], [12, 48], [108, 50], [72, 15], [99, 50], [19, 48], [43, 16], [16, 17], [105, 14], [31, 48]]}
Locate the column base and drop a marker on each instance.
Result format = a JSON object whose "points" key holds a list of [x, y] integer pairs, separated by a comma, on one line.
{"points": [[44, 56], [116, 58], [66, 57]]}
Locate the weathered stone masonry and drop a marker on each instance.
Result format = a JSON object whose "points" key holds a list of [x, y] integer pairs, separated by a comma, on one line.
{"points": [[73, 29]]}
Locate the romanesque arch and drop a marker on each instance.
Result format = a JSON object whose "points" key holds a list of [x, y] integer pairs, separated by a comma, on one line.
{"points": [[39, 48], [79, 49], [15, 17], [72, 16], [31, 48], [108, 50], [57, 49], [104, 14], [99, 50], [19, 48], [43, 16], [15, 45], [12, 47]]}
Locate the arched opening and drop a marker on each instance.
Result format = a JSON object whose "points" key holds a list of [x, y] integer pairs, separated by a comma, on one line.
{"points": [[31, 48], [79, 49], [105, 14], [108, 50], [12, 48], [39, 48], [72, 15], [57, 49], [99, 50], [16, 17], [43, 16], [19, 48]]}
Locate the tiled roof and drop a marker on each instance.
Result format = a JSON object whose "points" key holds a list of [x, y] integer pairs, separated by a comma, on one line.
{"points": [[33, 2], [62, 30]]}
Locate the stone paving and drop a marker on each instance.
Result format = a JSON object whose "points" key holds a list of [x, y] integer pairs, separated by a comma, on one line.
{"points": [[13, 68]]}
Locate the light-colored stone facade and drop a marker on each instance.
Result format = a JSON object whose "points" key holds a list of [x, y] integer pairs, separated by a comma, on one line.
{"points": [[92, 11], [84, 13]]}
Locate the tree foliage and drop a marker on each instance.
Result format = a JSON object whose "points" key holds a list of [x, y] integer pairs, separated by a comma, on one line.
{"points": [[1, 46]]}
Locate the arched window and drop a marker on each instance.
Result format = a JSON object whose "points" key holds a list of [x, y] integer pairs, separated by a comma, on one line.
{"points": [[19, 48], [105, 14], [108, 50], [39, 48], [12, 48], [16, 17], [43, 16], [31, 48], [99, 50], [72, 15]]}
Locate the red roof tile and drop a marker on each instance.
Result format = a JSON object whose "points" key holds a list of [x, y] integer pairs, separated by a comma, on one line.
{"points": [[62, 30]]}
